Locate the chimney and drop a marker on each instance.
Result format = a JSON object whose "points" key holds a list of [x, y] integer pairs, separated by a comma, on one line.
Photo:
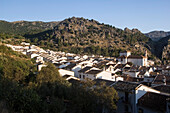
{"points": [[164, 80]]}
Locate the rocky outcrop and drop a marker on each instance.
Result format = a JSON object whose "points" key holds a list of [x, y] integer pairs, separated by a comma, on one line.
{"points": [[157, 35], [166, 53]]}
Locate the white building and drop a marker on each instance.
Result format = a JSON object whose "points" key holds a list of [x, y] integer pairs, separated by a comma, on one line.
{"points": [[40, 66], [125, 53], [129, 94], [94, 73], [126, 57], [25, 44], [63, 72]]}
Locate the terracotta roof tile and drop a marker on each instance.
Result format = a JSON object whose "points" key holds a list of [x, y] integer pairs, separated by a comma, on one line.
{"points": [[84, 69], [148, 101], [136, 57], [108, 82], [163, 88], [125, 86], [93, 71], [159, 79]]}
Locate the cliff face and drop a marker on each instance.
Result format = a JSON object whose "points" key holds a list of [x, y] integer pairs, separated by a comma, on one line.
{"points": [[166, 53], [157, 35], [160, 48]]}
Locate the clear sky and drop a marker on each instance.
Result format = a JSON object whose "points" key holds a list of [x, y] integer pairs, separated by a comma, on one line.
{"points": [[145, 15]]}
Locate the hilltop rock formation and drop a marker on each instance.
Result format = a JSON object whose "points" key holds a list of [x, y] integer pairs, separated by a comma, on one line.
{"points": [[83, 35], [157, 35]]}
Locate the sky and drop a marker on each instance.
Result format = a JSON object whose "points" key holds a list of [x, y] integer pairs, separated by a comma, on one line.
{"points": [[145, 15]]}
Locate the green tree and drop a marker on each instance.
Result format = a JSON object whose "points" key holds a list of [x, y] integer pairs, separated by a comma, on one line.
{"points": [[47, 74]]}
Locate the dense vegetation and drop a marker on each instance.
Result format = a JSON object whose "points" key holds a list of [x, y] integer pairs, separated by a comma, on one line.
{"points": [[23, 90]]}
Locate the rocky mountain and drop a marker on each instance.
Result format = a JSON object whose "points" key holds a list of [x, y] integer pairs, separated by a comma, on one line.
{"points": [[81, 35], [161, 48], [25, 27], [157, 35], [84, 36], [166, 51]]}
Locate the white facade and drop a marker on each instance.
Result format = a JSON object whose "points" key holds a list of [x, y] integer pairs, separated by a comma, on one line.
{"points": [[102, 75], [34, 55], [142, 90], [138, 61], [105, 75], [118, 78], [123, 60], [76, 69], [65, 72], [24, 43], [126, 53], [41, 66], [132, 98], [127, 57], [39, 59]]}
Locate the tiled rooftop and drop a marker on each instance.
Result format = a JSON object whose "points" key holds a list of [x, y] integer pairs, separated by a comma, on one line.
{"points": [[154, 101], [125, 86]]}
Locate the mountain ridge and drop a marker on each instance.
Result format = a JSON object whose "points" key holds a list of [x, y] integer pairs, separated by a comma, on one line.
{"points": [[24, 27], [157, 35], [80, 35], [89, 35]]}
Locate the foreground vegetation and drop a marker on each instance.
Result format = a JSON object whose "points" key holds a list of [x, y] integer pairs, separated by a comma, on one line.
{"points": [[23, 90]]}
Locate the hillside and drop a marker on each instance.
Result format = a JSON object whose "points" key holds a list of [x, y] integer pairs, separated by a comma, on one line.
{"points": [[166, 49], [159, 46], [24, 27], [157, 35], [81, 35]]}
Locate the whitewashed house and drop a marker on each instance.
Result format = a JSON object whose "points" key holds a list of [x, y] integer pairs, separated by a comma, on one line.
{"points": [[126, 57], [25, 44], [63, 72], [34, 55], [152, 102], [39, 59], [40, 66], [129, 94], [94, 73]]}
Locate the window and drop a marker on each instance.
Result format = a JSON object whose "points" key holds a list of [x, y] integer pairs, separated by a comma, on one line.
{"points": [[83, 76], [80, 76]]}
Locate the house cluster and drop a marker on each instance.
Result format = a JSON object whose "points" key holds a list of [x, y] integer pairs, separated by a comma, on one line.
{"points": [[137, 80]]}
